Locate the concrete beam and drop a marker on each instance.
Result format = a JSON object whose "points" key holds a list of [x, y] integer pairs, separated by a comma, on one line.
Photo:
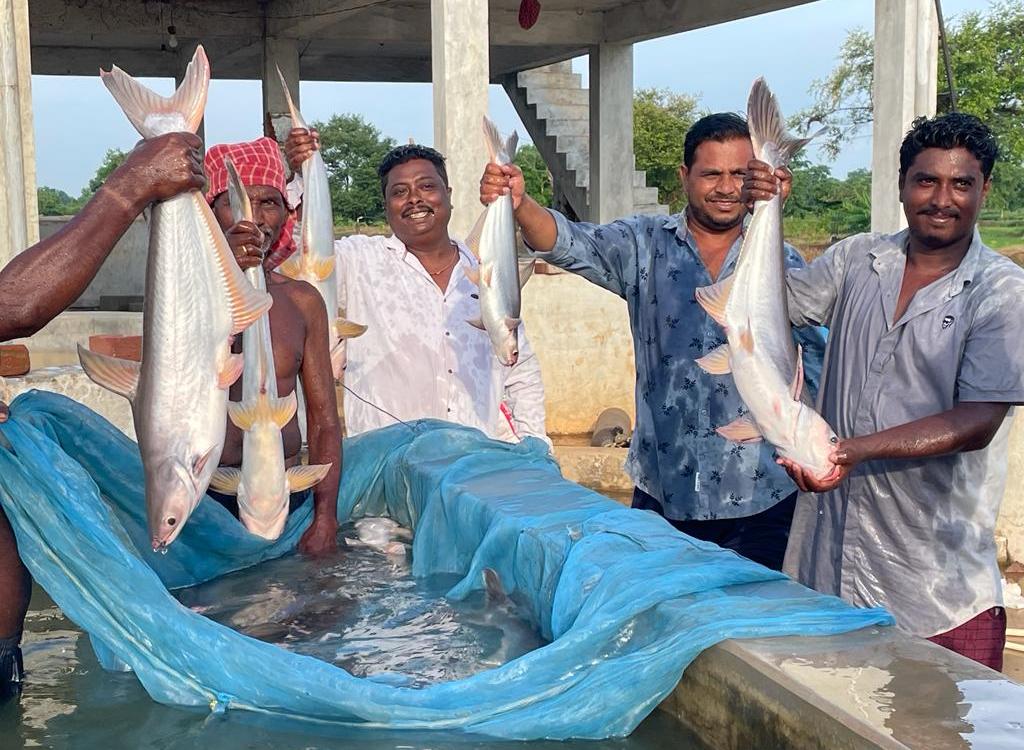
{"points": [[906, 77], [19, 214], [648, 19], [283, 54], [611, 132], [460, 74]]}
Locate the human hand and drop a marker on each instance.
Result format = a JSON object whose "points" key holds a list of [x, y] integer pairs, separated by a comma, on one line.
{"points": [[4, 412], [761, 184], [158, 169], [502, 179], [321, 537], [246, 242], [299, 146], [806, 481]]}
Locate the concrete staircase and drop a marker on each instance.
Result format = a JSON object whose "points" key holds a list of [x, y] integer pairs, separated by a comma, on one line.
{"points": [[555, 108]]}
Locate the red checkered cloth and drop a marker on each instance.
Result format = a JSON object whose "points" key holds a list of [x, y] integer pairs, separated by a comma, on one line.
{"points": [[258, 162], [981, 638]]}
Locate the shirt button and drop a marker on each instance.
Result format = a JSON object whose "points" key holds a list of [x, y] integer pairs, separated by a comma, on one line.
{"points": [[451, 371], [447, 333], [704, 412], [449, 410]]}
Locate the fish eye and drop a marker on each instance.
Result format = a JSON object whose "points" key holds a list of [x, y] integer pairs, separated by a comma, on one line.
{"points": [[833, 440], [171, 521]]}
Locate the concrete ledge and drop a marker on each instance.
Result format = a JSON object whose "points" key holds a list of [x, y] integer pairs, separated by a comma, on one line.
{"points": [[599, 469], [876, 688], [55, 345]]}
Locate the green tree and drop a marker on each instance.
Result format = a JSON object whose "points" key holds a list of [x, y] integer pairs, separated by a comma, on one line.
{"points": [[987, 59], [660, 121], [111, 161], [54, 202], [535, 173], [352, 149]]}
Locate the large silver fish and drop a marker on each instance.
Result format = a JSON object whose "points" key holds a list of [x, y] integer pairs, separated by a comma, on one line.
{"points": [[314, 260], [499, 274], [263, 484], [751, 305], [196, 300]]}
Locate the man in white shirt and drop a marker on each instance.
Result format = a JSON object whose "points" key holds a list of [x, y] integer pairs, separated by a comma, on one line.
{"points": [[419, 356]]}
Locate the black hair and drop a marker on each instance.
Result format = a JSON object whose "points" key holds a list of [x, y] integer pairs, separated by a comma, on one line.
{"points": [[949, 131], [721, 127], [402, 154]]}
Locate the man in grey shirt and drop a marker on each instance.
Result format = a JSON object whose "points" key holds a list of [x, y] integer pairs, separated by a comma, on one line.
{"points": [[923, 365]]}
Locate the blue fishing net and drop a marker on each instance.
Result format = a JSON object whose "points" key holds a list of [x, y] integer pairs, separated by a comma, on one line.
{"points": [[626, 601]]}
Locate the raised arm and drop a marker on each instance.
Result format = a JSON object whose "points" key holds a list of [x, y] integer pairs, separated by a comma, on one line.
{"points": [[537, 224], [323, 427], [42, 281]]}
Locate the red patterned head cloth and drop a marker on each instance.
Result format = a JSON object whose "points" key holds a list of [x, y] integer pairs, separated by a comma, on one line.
{"points": [[258, 162]]}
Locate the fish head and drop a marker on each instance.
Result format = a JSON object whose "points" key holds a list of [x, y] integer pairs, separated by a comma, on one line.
{"points": [[817, 441], [506, 342], [174, 490]]}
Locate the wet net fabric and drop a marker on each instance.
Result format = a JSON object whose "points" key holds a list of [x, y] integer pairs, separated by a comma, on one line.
{"points": [[626, 601]]}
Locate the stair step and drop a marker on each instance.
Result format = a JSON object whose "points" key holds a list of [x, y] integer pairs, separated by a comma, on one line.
{"points": [[559, 96], [558, 126], [645, 195], [548, 111], [549, 80]]}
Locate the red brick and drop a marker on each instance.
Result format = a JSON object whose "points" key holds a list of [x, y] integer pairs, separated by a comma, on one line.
{"points": [[14, 360], [122, 347]]}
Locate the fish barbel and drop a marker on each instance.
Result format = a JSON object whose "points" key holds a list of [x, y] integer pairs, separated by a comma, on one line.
{"points": [[314, 260], [499, 274], [263, 484], [751, 305], [196, 301]]}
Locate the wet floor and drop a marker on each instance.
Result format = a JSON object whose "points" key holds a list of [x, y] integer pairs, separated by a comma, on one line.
{"points": [[361, 611]]}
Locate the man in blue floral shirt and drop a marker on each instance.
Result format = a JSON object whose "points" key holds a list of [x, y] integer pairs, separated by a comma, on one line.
{"points": [[730, 494]]}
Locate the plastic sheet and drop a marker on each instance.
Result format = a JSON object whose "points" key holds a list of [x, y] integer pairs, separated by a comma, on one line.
{"points": [[626, 600]]}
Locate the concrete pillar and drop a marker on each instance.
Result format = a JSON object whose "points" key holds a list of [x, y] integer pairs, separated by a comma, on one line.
{"points": [[284, 54], [610, 194], [906, 77], [460, 64], [19, 211], [179, 75]]}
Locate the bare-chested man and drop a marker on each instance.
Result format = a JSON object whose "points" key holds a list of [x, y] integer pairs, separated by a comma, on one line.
{"points": [[43, 280], [298, 329]]}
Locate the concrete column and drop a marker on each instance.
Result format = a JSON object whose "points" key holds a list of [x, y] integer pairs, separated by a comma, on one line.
{"points": [[610, 194], [179, 75], [906, 77], [284, 54], [460, 64], [19, 211]]}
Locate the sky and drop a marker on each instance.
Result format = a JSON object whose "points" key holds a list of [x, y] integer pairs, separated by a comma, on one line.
{"points": [[76, 120]]}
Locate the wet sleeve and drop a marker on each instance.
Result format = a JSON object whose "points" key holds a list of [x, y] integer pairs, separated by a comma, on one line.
{"points": [[814, 288], [811, 339], [524, 393], [604, 254], [992, 365]]}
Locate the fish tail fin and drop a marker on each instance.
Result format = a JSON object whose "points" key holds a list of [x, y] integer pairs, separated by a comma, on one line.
{"points": [[226, 480], [280, 410], [140, 103], [347, 329], [241, 207], [292, 267], [297, 121], [500, 151], [764, 118], [303, 477], [493, 589], [472, 240]]}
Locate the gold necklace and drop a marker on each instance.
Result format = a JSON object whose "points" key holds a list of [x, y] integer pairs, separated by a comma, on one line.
{"points": [[454, 261]]}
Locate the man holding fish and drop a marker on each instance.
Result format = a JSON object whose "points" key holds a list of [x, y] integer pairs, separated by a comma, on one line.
{"points": [[299, 339], [42, 281], [924, 364], [730, 493], [420, 355]]}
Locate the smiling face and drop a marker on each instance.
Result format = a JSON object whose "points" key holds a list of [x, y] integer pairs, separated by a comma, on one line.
{"points": [[418, 203], [268, 210], [713, 183], [942, 194]]}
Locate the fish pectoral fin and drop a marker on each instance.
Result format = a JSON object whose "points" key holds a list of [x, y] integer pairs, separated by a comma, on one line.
{"points": [[199, 462], [226, 480], [472, 273], [796, 388], [486, 274], [713, 298], [231, 371], [303, 477], [746, 336], [118, 375], [472, 240], [477, 323], [323, 268], [741, 430], [292, 267], [347, 329], [493, 588], [526, 269], [716, 362], [247, 303]]}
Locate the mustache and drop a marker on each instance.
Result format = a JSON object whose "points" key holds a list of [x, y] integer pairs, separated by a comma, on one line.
{"points": [[415, 209], [951, 214]]}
